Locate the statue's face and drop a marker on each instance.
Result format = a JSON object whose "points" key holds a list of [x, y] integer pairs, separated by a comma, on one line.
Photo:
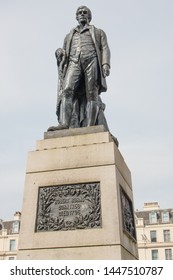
{"points": [[82, 16]]}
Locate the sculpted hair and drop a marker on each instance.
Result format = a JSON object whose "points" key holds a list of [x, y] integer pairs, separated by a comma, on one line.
{"points": [[89, 12]]}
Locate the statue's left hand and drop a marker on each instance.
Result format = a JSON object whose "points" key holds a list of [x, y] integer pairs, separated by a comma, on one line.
{"points": [[105, 70]]}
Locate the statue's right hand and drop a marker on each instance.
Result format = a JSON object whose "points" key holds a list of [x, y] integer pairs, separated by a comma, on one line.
{"points": [[59, 53]]}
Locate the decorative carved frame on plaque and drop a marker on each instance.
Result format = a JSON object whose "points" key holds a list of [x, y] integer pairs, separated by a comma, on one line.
{"points": [[127, 214], [69, 207]]}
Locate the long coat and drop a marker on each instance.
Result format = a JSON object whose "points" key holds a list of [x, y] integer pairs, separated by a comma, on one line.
{"points": [[101, 46]]}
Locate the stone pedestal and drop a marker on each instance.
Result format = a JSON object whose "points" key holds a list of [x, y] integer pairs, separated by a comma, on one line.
{"points": [[78, 201]]}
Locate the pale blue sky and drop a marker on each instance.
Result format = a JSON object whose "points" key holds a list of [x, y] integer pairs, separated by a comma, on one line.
{"points": [[139, 99]]}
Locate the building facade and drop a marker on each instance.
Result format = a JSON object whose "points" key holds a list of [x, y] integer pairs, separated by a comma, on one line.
{"points": [[154, 228], [9, 234]]}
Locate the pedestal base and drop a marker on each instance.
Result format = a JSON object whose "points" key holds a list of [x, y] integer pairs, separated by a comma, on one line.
{"points": [[78, 201]]}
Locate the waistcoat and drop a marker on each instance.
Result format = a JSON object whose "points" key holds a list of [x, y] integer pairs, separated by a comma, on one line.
{"points": [[82, 46]]}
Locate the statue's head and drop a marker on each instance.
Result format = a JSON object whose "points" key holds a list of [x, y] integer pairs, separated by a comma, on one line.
{"points": [[83, 14]]}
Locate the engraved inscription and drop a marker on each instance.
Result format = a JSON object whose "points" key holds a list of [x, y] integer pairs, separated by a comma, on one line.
{"points": [[127, 214], [68, 207]]}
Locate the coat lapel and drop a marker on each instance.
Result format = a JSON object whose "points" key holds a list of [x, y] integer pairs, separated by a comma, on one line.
{"points": [[69, 41], [91, 29]]}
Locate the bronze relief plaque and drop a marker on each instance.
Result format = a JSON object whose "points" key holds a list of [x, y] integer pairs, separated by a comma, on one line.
{"points": [[127, 214], [69, 207]]}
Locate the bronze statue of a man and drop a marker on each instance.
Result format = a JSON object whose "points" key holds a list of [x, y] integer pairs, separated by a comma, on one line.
{"points": [[83, 63]]}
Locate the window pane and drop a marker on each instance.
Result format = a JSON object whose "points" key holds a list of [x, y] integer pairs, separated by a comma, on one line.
{"points": [[154, 254], [153, 236], [12, 245], [168, 254], [166, 235], [165, 217], [15, 228], [153, 217]]}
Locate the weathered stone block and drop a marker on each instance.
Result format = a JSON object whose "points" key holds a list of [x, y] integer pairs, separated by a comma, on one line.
{"points": [[78, 201]]}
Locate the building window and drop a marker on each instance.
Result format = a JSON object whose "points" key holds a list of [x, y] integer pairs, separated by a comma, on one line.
{"points": [[165, 217], [154, 254], [15, 228], [166, 235], [153, 217], [11, 258], [168, 254], [153, 236], [12, 245]]}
